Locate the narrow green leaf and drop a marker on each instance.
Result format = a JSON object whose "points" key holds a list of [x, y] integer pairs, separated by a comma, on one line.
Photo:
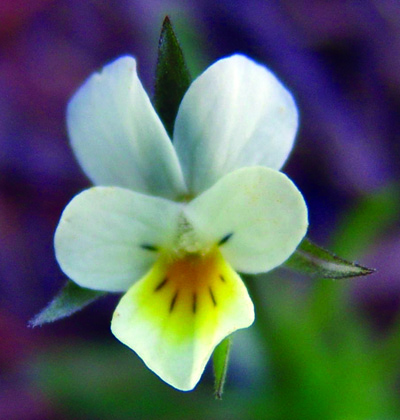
{"points": [[172, 77], [70, 299], [313, 260], [220, 361]]}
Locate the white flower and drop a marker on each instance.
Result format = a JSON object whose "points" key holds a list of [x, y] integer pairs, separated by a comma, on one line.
{"points": [[170, 223]]}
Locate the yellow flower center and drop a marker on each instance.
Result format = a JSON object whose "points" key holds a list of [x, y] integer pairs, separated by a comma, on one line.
{"points": [[192, 281], [182, 292]]}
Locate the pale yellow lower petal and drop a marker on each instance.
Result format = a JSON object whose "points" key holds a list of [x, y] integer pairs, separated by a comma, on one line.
{"points": [[175, 316]]}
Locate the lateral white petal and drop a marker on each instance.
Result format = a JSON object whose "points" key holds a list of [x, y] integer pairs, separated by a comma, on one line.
{"points": [[117, 136], [175, 325], [103, 238], [260, 208], [235, 114]]}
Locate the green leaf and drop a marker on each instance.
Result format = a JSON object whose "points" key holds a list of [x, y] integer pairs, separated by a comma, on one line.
{"points": [[172, 77], [313, 260], [70, 299], [220, 361]]}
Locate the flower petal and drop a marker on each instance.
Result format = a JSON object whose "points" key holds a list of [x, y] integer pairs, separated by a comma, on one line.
{"points": [[235, 114], [256, 215], [118, 137], [108, 237], [176, 315]]}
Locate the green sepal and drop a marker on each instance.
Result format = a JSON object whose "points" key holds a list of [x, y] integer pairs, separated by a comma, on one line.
{"points": [[220, 362], [172, 77], [72, 298], [315, 261]]}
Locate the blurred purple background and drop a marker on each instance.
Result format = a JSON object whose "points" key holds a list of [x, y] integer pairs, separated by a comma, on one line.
{"points": [[340, 59]]}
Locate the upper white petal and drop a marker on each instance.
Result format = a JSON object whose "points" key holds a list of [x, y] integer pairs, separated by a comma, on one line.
{"points": [[117, 136], [260, 208], [99, 240], [235, 114]]}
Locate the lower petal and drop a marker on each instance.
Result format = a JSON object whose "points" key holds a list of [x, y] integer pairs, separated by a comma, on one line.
{"points": [[176, 315]]}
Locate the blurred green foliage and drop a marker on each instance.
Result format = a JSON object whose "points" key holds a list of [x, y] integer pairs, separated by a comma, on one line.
{"points": [[326, 361]]}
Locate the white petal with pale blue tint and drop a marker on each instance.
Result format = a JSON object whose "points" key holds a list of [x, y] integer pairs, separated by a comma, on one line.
{"points": [[117, 136], [108, 237], [178, 313], [257, 214], [236, 114]]}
